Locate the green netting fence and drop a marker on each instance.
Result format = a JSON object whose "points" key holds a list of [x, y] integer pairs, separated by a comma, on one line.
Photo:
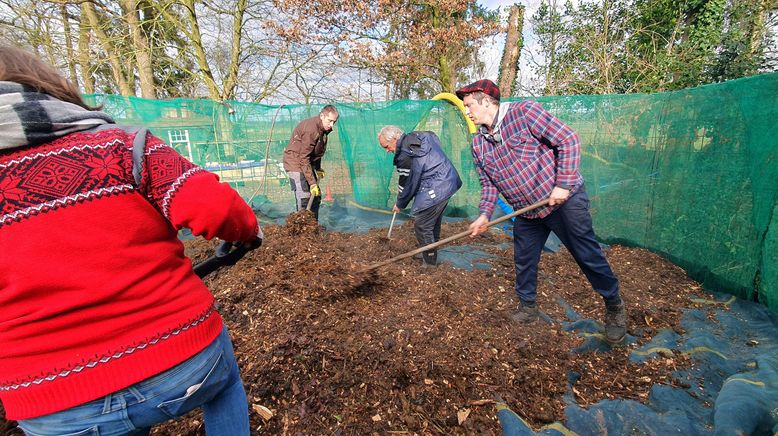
{"points": [[690, 174]]}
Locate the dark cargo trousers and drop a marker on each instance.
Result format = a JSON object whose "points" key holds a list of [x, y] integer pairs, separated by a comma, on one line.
{"points": [[302, 193], [427, 229], [572, 223]]}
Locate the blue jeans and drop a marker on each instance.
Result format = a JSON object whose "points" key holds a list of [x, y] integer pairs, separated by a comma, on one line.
{"points": [[210, 379], [572, 223]]}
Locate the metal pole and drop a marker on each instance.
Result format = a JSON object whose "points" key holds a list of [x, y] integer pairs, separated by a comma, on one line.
{"points": [[389, 235]]}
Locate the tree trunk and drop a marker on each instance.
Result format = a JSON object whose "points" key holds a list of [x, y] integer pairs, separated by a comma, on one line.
{"points": [[445, 77], [509, 66], [551, 73], [228, 92], [141, 48], [113, 57], [606, 53], [757, 28], [68, 44], [195, 37], [83, 54]]}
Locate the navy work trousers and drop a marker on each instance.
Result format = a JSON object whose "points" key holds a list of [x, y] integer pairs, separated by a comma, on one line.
{"points": [[426, 226], [572, 223]]}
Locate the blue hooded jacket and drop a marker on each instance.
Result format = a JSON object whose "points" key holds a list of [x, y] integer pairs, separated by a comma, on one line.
{"points": [[425, 172]]}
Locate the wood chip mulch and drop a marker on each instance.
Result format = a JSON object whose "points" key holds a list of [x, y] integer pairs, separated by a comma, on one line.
{"points": [[326, 348]]}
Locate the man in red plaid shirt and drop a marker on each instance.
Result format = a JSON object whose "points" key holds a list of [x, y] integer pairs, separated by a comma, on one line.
{"points": [[526, 154]]}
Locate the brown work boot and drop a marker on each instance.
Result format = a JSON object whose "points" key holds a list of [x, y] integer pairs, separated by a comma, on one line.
{"points": [[615, 323], [526, 314]]}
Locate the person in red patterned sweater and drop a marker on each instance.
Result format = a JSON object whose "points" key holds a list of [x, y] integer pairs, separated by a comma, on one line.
{"points": [[104, 326]]}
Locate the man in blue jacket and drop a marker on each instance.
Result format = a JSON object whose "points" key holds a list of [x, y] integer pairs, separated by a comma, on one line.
{"points": [[427, 176]]}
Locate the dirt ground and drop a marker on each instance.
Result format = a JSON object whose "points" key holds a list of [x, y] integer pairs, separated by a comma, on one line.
{"points": [[325, 348]]}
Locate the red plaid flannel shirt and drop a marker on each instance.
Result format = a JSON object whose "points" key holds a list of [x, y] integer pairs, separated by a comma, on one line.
{"points": [[533, 153]]}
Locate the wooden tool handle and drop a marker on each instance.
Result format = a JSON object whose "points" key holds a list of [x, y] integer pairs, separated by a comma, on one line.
{"points": [[457, 236]]}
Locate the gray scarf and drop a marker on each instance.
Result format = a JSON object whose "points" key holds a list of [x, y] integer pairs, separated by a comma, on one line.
{"points": [[28, 117]]}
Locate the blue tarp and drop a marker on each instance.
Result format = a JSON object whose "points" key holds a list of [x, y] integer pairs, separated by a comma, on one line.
{"points": [[733, 384]]}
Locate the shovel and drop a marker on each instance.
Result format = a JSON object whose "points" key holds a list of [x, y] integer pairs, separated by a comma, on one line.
{"points": [[310, 203], [227, 253], [389, 235], [455, 237]]}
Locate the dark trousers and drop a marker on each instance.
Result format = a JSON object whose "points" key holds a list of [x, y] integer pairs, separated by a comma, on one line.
{"points": [[302, 193], [572, 223], [426, 226]]}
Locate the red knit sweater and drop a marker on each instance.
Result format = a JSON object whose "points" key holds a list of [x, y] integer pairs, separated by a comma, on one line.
{"points": [[95, 291]]}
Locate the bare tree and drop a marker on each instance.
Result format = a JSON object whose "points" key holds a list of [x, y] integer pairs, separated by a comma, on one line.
{"points": [[141, 48], [84, 60], [420, 47], [96, 25], [514, 41], [70, 58]]}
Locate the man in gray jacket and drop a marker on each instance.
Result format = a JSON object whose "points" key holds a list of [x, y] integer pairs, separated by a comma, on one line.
{"points": [[427, 176], [303, 154]]}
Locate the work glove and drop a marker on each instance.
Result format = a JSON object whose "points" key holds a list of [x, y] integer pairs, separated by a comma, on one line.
{"points": [[225, 248], [256, 242], [315, 191], [253, 244], [320, 174]]}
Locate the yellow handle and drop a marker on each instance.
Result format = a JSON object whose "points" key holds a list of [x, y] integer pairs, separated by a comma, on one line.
{"points": [[453, 99]]}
